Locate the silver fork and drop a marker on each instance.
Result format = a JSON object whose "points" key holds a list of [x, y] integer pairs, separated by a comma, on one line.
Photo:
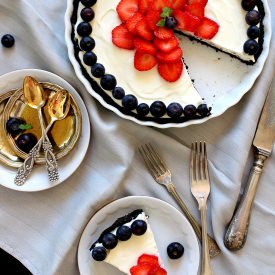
{"points": [[200, 188], [162, 175]]}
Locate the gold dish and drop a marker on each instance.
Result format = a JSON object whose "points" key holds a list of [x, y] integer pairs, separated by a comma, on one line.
{"points": [[63, 135]]}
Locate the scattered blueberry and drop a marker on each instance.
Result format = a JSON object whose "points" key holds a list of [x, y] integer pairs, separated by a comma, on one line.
{"points": [[97, 70], [129, 102], [84, 29], [7, 40], [88, 3], [87, 14], [26, 142], [15, 126], [175, 250], [143, 109], [108, 82], [158, 109], [118, 93], [87, 43], [253, 32], [174, 110], [123, 233], [248, 5], [99, 253], [139, 227], [203, 110], [171, 22], [251, 47], [89, 58], [190, 111], [109, 241], [253, 17]]}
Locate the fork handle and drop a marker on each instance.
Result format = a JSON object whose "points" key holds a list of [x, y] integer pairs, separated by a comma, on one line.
{"points": [[213, 247]]}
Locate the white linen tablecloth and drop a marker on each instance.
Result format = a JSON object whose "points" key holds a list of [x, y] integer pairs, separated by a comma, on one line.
{"points": [[42, 229]]}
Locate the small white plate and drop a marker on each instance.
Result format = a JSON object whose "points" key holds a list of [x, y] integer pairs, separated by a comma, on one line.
{"points": [[167, 223], [38, 179]]}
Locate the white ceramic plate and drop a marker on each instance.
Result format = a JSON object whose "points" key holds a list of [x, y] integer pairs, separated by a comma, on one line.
{"points": [[38, 179], [220, 79], [167, 223]]}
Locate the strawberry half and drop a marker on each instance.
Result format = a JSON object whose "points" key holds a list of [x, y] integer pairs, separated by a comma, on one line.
{"points": [[166, 45], [207, 29], [202, 2], [126, 9], [158, 5], [158, 271], [170, 57], [196, 9], [142, 269], [152, 18], [170, 71], [122, 38], [143, 30], [186, 21], [143, 5], [144, 61], [163, 33], [145, 46], [178, 4], [132, 22], [146, 258]]}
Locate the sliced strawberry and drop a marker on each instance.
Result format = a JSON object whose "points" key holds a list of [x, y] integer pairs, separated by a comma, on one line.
{"points": [[145, 46], [186, 21], [163, 33], [146, 258], [142, 269], [158, 271], [132, 22], [144, 61], [152, 18], [170, 57], [158, 5], [143, 30], [202, 2], [178, 4], [207, 29], [122, 38], [143, 5], [170, 71], [166, 45], [127, 8], [196, 9]]}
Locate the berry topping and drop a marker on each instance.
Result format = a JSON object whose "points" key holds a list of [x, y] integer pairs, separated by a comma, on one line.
{"points": [[131, 23], [178, 4], [202, 2], [97, 70], [171, 22], [143, 5], [143, 109], [248, 5], [88, 3], [139, 227], [190, 111], [129, 102], [84, 29], [152, 18], [157, 109], [87, 14], [89, 58], [15, 126], [170, 71], [175, 250], [158, 271], [253, 32], [174, 110], [109, 241], [173, 56], [203, 110], [118, 93], [186, 21], [253, 17], [166, 45], [158, 5], [163, 33], [150, 259], [122, 38], [108, 82], [196, 9], [127, 8], [145, 46], [144, 61], [143, 29], [142, 269], [26, 142], [124, 232], [207, 29], [99, 253], [7, 40], [251, 47], [87, 43]]}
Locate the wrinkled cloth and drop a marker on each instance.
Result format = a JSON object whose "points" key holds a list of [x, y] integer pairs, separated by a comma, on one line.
{"points": [[42, 229]]}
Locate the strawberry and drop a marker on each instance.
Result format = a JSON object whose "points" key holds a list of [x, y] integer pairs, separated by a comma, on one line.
{"points": [[207, 29], [143, 30], [152, 18], [144, 61], [158, 5], [166, 45], [170, 57], [143, 5], [132, 22], [145, 46], [163, 33], [186, 21], [126, 9], [202, 2], [142, 269], [170, 71], [122, 38], [146, 258], [196, 9], [178, 4], [158, 271]]}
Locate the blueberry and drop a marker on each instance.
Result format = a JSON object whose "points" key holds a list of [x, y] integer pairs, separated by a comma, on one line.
{"points": [[171, 22], [99, 253], [7, 40], [253, 32], [175, 250], [89, 58], [158, 109], [129, 102], [26, 142], [87, 14], [109, 241], [84, 29], [15, 126], [174, 110], [139, 227], [190, 111], [143, 109], [118, 93], [88, 3], [203, 110], [251, 47], [253, 17], [108, 82], [248, 5], [124, 233], [97, 70], [87, 43]]}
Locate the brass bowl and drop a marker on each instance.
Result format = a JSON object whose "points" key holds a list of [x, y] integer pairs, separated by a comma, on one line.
{"points": [[63, 135]]}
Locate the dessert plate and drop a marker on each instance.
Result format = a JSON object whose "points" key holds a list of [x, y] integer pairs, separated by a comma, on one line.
{"points": [[167, 223], [38, 179], [220, 79]]}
